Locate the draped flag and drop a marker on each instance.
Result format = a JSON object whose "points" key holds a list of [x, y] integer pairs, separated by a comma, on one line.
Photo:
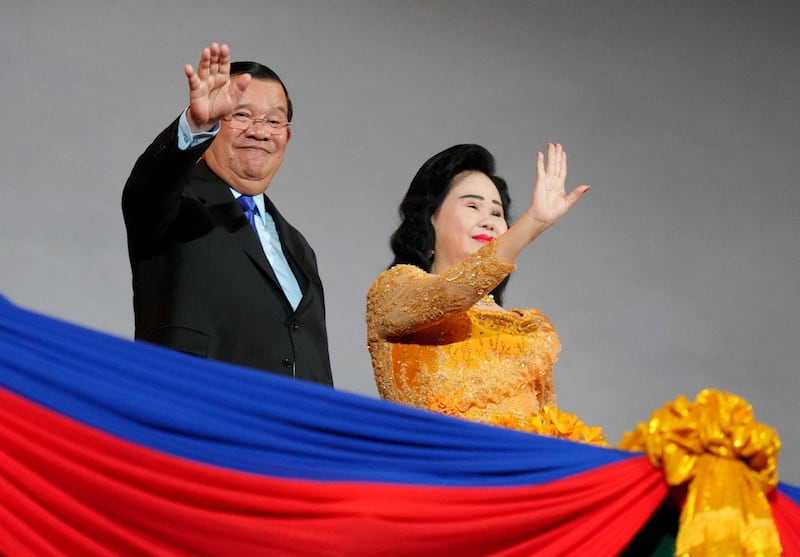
{"points": [[113, 447]]}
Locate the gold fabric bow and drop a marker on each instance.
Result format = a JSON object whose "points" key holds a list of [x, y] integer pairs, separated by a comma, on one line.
{"points": [[730, 462]]}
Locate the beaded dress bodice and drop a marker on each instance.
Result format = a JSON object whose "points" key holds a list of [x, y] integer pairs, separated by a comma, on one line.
{"points": [[434, 345]]}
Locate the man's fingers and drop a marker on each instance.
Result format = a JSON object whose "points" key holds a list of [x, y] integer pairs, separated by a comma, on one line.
{"points": [[213, 65], [203, 65], [243, 81], [224, 59]]}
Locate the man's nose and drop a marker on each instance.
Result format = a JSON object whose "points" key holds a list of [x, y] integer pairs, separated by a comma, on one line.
{"points": [[260, 130]]}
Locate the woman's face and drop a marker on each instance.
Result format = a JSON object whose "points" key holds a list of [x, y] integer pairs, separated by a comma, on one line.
{"points": [[470, 216]]}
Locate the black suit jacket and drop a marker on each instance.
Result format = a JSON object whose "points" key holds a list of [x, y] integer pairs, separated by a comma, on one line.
{"points": [[201, 281]]}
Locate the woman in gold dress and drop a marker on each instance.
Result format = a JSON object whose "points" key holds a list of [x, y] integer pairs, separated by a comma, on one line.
{"points": [[437, 333]]}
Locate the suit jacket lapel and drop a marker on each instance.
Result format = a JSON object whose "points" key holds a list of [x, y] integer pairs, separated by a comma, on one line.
{"points": [[216, 195], [293, 249]]}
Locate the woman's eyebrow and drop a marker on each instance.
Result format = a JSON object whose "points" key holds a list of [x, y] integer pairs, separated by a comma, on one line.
{"points": [[479, 197]]}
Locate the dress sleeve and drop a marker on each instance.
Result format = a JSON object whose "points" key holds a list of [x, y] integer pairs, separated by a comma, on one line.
{"points": [[405, 298]]}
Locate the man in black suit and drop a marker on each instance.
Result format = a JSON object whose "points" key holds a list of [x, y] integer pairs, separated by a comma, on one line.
{"points": [[217, 271]]}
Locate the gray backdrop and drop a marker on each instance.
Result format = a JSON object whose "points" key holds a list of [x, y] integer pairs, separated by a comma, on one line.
{"points": [[680, 270]]}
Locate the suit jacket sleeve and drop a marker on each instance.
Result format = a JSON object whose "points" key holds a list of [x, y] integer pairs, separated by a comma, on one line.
{"points": [[152, 195]]}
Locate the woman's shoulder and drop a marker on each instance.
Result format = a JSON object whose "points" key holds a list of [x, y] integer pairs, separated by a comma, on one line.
{"points": [[529, 312], [515, 318], [396, 275]]}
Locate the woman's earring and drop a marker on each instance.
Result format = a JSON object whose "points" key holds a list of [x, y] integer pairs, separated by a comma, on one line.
{"points": [[431, 253]]}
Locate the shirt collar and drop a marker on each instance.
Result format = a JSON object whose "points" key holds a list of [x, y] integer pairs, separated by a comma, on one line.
{"points": [[259, 199]]}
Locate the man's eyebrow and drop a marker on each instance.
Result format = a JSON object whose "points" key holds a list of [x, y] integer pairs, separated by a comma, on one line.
{"points": [[479, 197], [249, 106]]}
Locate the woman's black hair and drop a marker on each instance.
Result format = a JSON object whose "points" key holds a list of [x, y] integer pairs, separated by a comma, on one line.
{"points": [[415, 238]]}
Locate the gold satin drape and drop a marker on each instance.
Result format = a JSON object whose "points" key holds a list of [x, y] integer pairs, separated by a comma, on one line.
{"points": [[727, 461]]}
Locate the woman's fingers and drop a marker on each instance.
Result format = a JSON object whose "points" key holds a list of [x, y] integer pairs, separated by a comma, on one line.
{"points": [[539, 164]]}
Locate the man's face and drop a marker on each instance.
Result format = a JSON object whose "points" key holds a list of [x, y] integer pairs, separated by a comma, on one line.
{"points": [[248, 155]]}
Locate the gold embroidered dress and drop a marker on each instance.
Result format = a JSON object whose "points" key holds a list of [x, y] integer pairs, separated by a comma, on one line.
{"points": [[434, 346]]}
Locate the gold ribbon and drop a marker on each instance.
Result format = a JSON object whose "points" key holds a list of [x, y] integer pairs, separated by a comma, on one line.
{"points": [[730, 462]]}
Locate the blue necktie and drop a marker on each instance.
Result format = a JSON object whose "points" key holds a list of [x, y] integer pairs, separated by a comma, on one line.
{"points": [[248, 205]]}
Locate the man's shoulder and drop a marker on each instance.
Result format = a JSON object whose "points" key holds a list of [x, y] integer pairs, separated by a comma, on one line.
{"points": [[280, 221], [291, 238]]}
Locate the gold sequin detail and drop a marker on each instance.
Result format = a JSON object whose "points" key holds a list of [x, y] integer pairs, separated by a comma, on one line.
{"points": [[433, 349]]}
